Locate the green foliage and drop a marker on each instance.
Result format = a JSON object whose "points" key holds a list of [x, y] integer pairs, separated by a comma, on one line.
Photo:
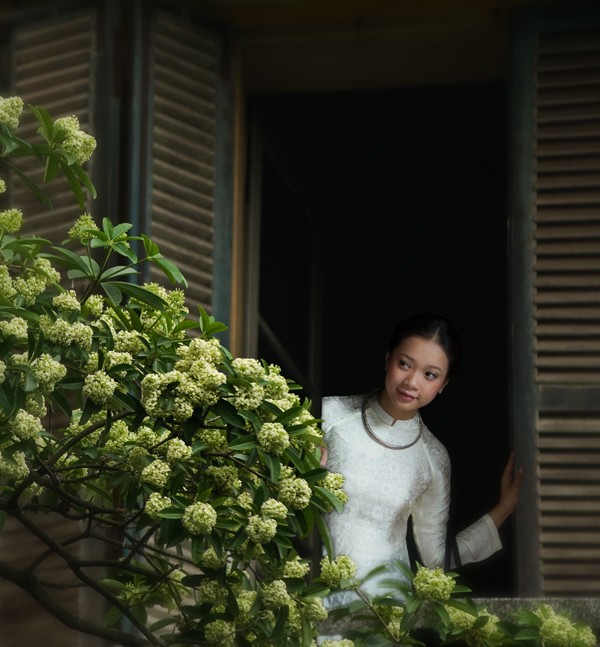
{"points": [[196, 470], [189, 474], [428, 607]]}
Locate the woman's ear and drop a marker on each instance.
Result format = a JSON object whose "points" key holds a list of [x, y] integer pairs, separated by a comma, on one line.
{"points": [[443, 387], [387, 361]]}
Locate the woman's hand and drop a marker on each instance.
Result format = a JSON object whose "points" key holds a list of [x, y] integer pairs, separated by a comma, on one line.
{"points": [[510, 486], [324, 455]]}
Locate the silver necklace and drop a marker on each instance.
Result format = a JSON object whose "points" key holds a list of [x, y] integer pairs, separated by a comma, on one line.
{"points": [[379, 440]]}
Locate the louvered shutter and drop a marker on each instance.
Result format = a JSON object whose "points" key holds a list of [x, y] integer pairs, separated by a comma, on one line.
{"points": [[52, 69], [184, 126], [567, 308], [52, 63]]}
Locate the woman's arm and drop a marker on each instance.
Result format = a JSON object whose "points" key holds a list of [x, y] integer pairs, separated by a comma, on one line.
{"points": [[510, 487]]}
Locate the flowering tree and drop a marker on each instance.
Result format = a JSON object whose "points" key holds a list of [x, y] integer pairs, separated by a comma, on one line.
{"points": [[146, 437], [189, 472]]}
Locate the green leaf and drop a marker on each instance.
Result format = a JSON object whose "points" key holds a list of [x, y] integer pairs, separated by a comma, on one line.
{"points": [[124, 401], [30, 381], [227, 412], [161, 624], [84, 179], [7, 344], [51, 168], [107, 496], [279, 629], [117, 270], [73, 183], [170, 270], [243, 442], [124, 250], [325, 535], [46, 123], [113, 615], [68, 259], [330, 496], [114, 294], [150, 247], [171, 513], [527, 634], [140, 294], [112, 585], [119, 229], [61, 402], [32, 186], [274, 465]]}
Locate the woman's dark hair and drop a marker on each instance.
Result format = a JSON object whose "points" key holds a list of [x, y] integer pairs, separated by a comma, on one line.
{"points": [[430, 326]]}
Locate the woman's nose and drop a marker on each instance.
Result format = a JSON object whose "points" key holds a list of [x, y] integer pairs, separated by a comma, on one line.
{"points": [[409, 378]]}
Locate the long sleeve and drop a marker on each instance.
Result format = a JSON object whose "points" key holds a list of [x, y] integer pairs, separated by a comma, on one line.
{"points": [[430, 510], [477, 542]]}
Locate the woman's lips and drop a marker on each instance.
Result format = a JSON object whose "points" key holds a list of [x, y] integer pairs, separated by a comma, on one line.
{"points": [[408, 397]]}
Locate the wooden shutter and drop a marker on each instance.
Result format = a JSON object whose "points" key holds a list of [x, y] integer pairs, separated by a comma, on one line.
{"points": [[567, 308], [184, 126], [51, 64], [52, 68]]}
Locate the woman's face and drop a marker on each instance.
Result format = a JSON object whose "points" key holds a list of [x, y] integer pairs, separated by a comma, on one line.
{"points": [[415, 373]]}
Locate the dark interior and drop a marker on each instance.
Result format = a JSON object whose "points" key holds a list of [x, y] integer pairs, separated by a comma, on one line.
{"points": [[404, 194]]}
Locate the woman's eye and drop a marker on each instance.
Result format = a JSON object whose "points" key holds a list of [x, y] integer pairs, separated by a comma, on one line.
{"points": [[403, 364], [431, 376]]}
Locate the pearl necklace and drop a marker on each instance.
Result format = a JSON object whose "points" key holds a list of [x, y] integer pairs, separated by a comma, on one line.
{"points": [[379, 440]]}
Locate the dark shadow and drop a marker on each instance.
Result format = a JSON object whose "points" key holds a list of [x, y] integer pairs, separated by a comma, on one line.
{"points": [[409, 195]]}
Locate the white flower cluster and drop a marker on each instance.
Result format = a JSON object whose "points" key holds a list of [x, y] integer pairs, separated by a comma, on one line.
{"points": [[248, 397], [199, 518], [11, 109], [225, 477], [64, 333], [274, 509], [273, 438], [25, 426], [214, 439], [335, 483], [336, 570], [13, 467], [557, 630], [261, 530], [99, 387], [176, 450], [155, 504], [156, 473], [275, 594], [75, 142], [48, 372], [66, 300], [84, 229], [295, 568], [480, 630], [433, 584], [191, 384], [11, 220], [220, 633], [294, 491], [16, 326], [7, 289]]}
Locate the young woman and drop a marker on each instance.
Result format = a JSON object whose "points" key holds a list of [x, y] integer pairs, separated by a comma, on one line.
{"points": [[395, 468]]}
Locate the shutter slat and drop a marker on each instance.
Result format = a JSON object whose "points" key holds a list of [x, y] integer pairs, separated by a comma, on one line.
{"points": [[567, 307], [52, 69], [184, 137]]}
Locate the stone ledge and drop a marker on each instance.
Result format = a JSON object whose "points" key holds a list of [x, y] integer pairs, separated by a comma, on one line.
{"points": [[585, 610]]}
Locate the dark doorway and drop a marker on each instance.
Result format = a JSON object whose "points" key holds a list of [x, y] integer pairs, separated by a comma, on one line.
{"points": [[407, 193]]}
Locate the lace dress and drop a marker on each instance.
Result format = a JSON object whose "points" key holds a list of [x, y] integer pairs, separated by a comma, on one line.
{"points": [[386, 486]]}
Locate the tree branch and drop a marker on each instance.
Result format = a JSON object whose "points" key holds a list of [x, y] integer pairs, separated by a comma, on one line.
{"points": [[33, 587]]}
